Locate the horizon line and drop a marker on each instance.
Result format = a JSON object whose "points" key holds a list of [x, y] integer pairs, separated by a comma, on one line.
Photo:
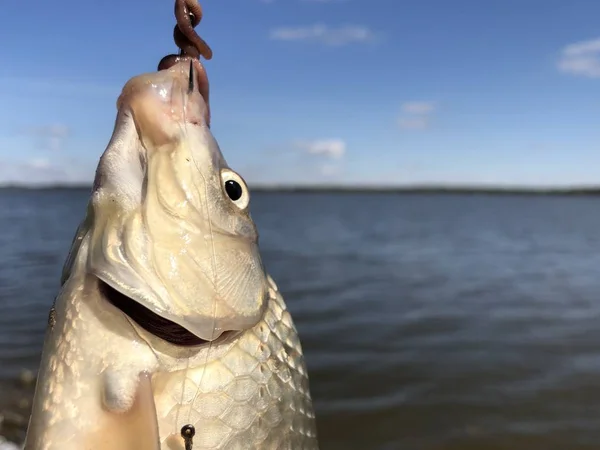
{"points": [[366, 187]]}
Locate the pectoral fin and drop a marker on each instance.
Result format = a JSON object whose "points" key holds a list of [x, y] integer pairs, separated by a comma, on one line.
{"points": [[135, 429]]}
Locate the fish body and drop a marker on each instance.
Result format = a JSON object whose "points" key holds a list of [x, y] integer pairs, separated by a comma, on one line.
{"points": [[166, 317]]}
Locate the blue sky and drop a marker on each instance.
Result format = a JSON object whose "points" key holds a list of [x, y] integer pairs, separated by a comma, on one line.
{"points": [[303, 91]]}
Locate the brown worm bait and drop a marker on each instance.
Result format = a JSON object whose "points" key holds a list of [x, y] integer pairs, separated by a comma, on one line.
{"points": [[191, 46], [188, 14]]}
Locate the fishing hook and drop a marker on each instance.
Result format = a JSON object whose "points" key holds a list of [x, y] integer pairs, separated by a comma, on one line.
{"points": [[187, 433], [188, 14]]}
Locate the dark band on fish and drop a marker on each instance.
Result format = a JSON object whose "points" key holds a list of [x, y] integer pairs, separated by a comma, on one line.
{"points": [[191, 79], [150, 321], [52, 317]]}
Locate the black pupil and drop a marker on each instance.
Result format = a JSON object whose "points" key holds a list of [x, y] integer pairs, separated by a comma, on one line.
{"points": [[233, 189]]}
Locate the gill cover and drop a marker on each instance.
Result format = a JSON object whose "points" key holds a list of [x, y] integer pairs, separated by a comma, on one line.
{"points": [[162, 228]]}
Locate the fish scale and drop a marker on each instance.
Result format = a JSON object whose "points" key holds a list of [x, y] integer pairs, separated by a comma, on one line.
{"points": [[238, 404]]}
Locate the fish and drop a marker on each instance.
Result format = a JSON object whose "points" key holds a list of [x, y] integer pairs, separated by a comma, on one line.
{"points": [[167, 331]]}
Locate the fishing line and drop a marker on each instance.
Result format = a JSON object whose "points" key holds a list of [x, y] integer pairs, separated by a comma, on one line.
{"points": [[188, 430], [213, 280], [188, 14]]}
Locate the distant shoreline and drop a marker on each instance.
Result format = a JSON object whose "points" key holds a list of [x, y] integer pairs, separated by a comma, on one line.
{"points": [[342, 189]]}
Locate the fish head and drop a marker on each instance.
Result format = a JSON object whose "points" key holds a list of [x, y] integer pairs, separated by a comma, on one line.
{"points": [[168, 223]]}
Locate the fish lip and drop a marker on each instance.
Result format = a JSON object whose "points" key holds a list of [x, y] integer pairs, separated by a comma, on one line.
{"points": [[153, 323]]}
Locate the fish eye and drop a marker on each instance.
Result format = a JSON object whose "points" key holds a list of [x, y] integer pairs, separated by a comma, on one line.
{"points": [[235, 188]]}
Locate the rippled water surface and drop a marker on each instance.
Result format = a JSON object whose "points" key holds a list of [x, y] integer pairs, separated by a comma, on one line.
{"points": [[428, 322]]}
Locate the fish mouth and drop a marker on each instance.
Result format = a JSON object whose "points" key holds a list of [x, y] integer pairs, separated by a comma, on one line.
{"points": [[160, 327]]}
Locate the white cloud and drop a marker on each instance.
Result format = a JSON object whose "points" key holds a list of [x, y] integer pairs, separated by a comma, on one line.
{"points": [[419, 107], [330, 148], [58, 86], [50, 137], [581, 58], [43, 171], [413, 123], [38, 163], [324, 34], [417, 115], [329, 170], [326, 155]]}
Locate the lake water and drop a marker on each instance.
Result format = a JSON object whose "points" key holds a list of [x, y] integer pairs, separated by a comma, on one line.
{"points": [[428, 321]]}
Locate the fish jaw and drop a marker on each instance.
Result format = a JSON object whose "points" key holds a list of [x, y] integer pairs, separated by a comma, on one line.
{"points": [[163, 231]]}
